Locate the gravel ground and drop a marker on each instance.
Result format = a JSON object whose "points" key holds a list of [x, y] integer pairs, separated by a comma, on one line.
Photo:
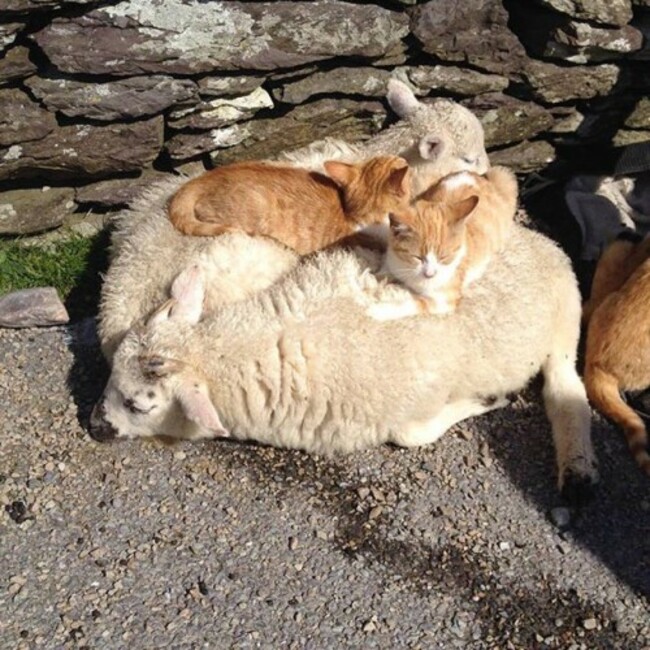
{"points": [[226, 545]]}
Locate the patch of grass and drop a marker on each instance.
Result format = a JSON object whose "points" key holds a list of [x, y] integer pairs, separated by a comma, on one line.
{"points": [[72, 266]]}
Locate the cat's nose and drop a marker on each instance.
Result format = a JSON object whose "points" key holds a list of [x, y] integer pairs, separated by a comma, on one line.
{"points": [[428, 270]]}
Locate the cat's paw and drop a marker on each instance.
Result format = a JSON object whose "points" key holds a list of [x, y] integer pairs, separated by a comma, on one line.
{"points": [[383, 311]]}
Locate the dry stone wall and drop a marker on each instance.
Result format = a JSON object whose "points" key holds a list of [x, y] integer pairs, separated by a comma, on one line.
{"points": [[100, 98]]}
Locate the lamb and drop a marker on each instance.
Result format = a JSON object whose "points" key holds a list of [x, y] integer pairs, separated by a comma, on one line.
{"points": [[301, 365], [147, 252], [436, 138]]}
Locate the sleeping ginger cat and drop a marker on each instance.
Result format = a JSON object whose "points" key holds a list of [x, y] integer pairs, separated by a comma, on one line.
{"points": [[617, 353], [302, 209], [446, 240]]}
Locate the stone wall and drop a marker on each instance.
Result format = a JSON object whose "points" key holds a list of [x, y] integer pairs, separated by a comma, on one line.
{"points": [[98, 98]]}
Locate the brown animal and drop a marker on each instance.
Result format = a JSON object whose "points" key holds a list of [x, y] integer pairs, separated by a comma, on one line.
{"points": [[617, 356], [304, 210], [447, 239]]}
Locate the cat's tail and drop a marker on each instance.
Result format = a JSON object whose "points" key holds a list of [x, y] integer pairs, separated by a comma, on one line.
{"points": [[604, 392], [182, 214]]}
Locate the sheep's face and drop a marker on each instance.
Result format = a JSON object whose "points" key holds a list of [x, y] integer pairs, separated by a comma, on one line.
{"points": [[150, 393], [449, 137]]}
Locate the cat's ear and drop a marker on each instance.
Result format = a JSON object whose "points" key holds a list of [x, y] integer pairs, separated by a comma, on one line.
{"points": [[462, 210], [398, 227], [341, 173], [431, 147], [399, 181]]}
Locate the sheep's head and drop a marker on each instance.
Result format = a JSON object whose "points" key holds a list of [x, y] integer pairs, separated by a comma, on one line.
{"points": [[449, 137], [151, 393]]}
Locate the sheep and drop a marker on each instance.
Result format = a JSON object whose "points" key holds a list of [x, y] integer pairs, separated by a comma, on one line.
{"points": [[436, 138], [301, 365], [147, 252]]}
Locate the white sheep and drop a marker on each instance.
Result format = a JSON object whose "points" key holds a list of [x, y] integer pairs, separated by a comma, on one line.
{"points": [[436, 138], [301, 365], [147, 252]]}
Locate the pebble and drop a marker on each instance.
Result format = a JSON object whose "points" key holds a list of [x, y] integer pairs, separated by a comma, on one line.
{"points": [[561, 516], [590, 624]]}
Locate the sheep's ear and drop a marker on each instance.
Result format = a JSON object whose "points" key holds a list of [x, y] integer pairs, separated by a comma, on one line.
{"points": [[188, 290], [431, 147], [462, 210], [341, 173], [197, 406], [154, 366], [399, 181], [161, 314], [401, 98]]}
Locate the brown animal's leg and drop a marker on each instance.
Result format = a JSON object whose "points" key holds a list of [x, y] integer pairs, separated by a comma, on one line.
{"points": [[603, 391]]}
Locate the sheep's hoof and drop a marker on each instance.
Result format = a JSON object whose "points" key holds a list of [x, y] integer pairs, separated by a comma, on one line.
{"points": [[577, 489]]}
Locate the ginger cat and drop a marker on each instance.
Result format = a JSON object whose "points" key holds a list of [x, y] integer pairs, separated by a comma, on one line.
{"points": [[446, 240], [304, 210], [617, 354]]}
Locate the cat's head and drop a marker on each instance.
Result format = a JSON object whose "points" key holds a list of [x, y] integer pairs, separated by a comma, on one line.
{"points": [[373, 188], [427, 243]]}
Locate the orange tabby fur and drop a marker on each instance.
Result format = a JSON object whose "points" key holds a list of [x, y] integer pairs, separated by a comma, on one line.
{"points": [[617, 356], [445, 241], [304, 210]]}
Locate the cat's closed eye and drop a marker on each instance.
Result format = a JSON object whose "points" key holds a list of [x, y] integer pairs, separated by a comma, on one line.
{"points": [[470, 160]]}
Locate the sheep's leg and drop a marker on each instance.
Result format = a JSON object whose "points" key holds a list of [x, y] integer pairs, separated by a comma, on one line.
{"points": [[428, 431], [568, 410]]}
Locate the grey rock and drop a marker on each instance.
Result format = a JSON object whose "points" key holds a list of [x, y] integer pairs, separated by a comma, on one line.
{"points": [[21, 120], [39, 307], [456, 80], [8, 33], [189, 36], [610, 12], [118, 192], [639, 118], [525, 157], [122, 99], [624, 137], [552, 83], [472, 32], [34, 210], [567, 119], [15, 64], [228, 86], [85, 151], [345, 119], [29, 5], [508, 120], [188, 145], [366, 81], [221, 111], [561, 517]]}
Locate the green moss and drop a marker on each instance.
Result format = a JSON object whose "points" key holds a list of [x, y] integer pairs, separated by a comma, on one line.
{"points": [[73, 266]]}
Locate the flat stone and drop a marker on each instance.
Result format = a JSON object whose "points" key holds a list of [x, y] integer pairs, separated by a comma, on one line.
{"points": [[567, 119], [29, 211], [119, 192], [21, 119], [191, 36], [221, 111], [474, 32], [365, 81], [639, 118], [623, 137], [83, 151], [39, 307], [189, 145], [553, 83], [29, 5], [525, 157], [344, 119], [115, 100], [508, 120], [8, 33], [456, 80], [228, 86], [610, 12], [15, 64]]}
